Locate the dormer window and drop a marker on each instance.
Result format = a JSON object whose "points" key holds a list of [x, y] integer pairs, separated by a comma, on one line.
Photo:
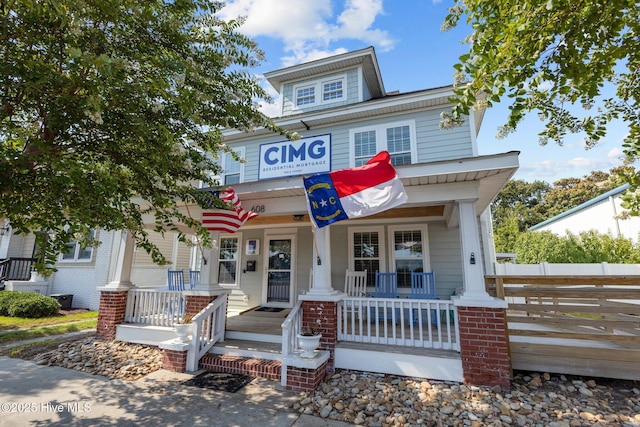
{"points": [[332, 90], [327, 91], [306, 95]]}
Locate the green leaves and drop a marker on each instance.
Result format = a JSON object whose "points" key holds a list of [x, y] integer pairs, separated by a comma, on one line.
{"points": [[102, 102]]}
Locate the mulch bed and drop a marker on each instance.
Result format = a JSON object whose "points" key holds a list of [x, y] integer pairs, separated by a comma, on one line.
{"points": [[219, 381]]}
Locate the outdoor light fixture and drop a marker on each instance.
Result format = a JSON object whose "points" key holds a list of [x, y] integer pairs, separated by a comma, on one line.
{"points": [[472, 260], [298, 217], [4, 230]]}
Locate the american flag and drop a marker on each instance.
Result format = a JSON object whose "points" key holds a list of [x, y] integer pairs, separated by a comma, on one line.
{"points": [[228, 221]]}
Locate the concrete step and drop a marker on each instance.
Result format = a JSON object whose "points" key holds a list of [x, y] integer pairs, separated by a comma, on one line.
{"points": [[248, 349], [144, 334]]}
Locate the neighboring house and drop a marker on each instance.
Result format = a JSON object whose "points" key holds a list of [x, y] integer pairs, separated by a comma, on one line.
{"points": [[603, 214], [81, 270]]}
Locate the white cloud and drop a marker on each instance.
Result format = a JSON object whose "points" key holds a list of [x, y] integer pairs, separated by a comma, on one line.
{"points": [[577, 167], [309, 27]]}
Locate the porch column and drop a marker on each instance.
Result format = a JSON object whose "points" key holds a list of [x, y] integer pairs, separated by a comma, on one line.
{"points": [[121, 273], [321, 285], [113, 296], [209, 265], [484, 343]]}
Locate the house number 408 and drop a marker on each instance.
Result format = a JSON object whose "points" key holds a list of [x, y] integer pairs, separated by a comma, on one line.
{"points": [[258, 208]]}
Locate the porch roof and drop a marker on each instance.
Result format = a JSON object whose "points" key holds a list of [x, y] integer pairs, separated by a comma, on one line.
{"points": [[477, 178]]}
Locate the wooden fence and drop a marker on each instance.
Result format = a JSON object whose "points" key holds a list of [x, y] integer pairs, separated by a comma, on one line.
{"points": [[582, 325]]}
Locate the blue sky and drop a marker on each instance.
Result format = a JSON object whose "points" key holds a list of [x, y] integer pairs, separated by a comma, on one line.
{"points": [[413, 54]]}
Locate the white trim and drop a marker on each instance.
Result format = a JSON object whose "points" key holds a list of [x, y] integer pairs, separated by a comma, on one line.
{"points": [[360, 82], [424, 230], [381, 243], [236, 285], [381, 139], [473, 133]]}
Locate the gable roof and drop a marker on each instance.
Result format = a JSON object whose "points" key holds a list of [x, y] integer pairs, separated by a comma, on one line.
{"points": [[618, 190]]}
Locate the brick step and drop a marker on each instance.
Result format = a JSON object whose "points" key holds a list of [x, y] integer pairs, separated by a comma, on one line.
{"points": [[269, 369]]}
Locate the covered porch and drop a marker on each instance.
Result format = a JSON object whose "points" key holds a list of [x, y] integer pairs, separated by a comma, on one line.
{"points": [[449, 196]]}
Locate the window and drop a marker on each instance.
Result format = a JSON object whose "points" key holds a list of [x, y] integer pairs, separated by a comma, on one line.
{"points": [[366, 251], [228, 261], [398, 139], [232, 170], [77, 253], [320, 92], [409, 252], [332, 90], [306, 95]]}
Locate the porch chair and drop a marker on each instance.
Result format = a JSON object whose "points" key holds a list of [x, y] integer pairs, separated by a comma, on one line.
{"points": [[175, 280], [194, 278], [386, 286], [423, 286], [355, 285]]}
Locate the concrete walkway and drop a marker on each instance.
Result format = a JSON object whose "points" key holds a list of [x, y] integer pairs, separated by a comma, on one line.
{"points": [[33, 395]]}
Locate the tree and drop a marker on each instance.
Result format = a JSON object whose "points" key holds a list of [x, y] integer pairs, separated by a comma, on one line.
{"points": [[104, 101], [534, 247], [555, 57], [522, 200]]}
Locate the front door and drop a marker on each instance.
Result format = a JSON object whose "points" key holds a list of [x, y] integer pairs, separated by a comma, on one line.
{"points": [[280, 270]]}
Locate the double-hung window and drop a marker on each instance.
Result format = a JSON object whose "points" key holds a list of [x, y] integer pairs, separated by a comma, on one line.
{"points": [[77, 253], [367, 251], [396, 138], [228, 260], [232, 169], [409, 251], [332, 90], [329, 90]]}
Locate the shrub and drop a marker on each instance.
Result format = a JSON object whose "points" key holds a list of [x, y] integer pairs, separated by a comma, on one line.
{"points": [[6, 298], [27, 304]]}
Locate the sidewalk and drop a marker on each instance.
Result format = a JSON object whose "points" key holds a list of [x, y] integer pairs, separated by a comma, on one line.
{"points": [[42, 395]]}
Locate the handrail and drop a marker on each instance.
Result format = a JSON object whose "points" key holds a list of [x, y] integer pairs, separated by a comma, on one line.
{"points": [[291, 327], [208, 329], [16, 269]]}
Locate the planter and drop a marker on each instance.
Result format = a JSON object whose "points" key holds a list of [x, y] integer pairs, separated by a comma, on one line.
{"points": [[183, 330], [308, 344]]}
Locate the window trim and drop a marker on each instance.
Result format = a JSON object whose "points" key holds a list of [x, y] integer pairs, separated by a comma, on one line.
{"points": [[319, 92], [235, 235], [424, 229], [75, 259], [381, 138], [382, 243], [240, 151]]}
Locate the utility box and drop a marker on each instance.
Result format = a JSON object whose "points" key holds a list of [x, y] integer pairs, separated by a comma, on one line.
{"points": [[65, 300]]}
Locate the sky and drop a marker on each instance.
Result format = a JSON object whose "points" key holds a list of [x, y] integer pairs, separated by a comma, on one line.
{"points": [[413, 54]]}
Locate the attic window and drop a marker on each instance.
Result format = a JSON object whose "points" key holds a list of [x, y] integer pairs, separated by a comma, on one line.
{"points": [[332, 90], [306, 95]]}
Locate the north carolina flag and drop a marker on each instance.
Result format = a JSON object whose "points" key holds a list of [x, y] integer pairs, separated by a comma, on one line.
{"points": [[228, 221], [354, 192]]}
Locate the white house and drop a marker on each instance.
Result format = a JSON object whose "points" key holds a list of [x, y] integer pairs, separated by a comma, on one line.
{"points": [[603, 214]]}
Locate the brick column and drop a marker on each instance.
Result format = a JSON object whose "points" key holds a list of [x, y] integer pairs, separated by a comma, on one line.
{"points": [[174, 360], [305, 379], [197, 303], [113, 304], [323, 314], [484, 346]]}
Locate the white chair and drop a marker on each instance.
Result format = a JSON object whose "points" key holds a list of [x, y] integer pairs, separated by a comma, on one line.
{"points": [[355, 283]]}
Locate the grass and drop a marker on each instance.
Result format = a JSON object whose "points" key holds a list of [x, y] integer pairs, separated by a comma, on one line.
{"points": [[9, 323], [30, 349], [46, 331]]}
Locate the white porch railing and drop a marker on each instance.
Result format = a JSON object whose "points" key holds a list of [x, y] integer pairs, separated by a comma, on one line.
{"points": [[291, 327], [153, 307], [402, 322], [208, 329]]}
